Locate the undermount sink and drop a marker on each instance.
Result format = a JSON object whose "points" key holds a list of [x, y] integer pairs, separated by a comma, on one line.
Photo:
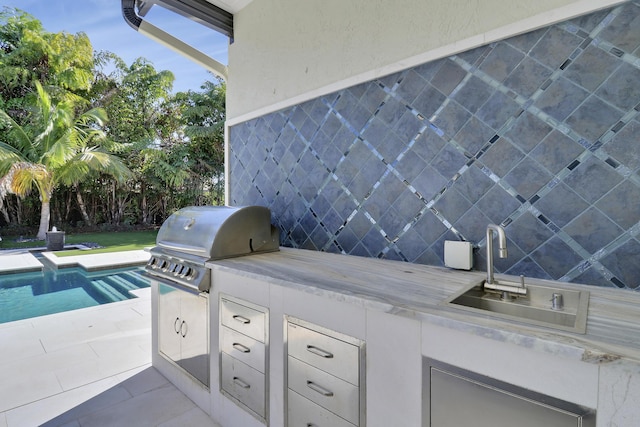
{"points": [[536, 307]]}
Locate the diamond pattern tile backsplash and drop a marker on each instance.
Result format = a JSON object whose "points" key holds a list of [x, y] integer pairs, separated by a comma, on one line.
{"points": [[539, 133]]}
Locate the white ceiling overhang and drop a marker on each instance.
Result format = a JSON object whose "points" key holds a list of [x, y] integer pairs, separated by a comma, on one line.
{"points": [[214, 14], [233, 6]]}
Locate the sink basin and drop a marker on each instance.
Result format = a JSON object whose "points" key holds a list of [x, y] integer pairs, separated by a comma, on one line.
{"points": [[534, 308]]}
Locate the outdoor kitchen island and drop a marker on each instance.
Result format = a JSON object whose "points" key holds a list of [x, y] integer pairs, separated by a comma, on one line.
{"points": [[392, 314]]}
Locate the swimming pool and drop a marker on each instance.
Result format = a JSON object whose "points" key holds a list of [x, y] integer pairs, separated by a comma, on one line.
{"points": [[25, 295]]}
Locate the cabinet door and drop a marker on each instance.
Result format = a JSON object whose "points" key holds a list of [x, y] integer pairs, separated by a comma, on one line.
{"points": [[169, 321], [194, 331]]}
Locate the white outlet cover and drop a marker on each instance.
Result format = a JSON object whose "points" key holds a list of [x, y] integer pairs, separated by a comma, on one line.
{"points": [[458, 255]]}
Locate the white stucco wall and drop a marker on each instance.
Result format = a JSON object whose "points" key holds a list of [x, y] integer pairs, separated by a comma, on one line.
{"points": [[289, 51]]}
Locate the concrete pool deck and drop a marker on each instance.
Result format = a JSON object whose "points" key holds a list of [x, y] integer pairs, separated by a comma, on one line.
{"points": [[87, 367], [25, 261]]}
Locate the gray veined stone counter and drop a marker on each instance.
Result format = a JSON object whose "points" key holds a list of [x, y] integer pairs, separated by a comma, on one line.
{"points": [[417, 291]]}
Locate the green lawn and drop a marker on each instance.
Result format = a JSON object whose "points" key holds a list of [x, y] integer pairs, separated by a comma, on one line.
{"points": [[109, 240]]}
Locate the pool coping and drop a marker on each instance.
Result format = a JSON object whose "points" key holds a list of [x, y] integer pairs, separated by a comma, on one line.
{"points": [[26, 262]]}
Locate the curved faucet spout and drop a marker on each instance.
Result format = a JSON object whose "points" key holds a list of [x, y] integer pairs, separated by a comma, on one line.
{"points": [[502, 248]]}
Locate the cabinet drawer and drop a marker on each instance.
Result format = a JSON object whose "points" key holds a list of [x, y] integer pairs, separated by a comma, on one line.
{"points": [[243, 319], [334, 394], [339, 358], [243, 348], [304, 413], [243, 383]]}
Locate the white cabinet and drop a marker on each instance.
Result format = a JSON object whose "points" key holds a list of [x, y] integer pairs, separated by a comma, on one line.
{"points": [[325, 377], [243, 354], [183, 330]]}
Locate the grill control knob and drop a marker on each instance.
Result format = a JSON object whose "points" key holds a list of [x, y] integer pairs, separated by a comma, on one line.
{"points": [[176, 269], [186, 273]]}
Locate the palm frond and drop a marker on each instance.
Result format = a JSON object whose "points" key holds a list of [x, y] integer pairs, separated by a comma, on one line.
{"points": [[92, 160], [62, 150], [24, 175], [18, 138]]}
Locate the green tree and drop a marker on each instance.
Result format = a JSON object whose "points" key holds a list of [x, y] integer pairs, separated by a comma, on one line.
{"points": [[138, 101], [57, 147], [61, 62], [204, 117]]}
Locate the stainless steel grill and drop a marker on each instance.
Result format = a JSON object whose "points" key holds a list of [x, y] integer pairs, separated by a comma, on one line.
{"points": [[197, 234]]}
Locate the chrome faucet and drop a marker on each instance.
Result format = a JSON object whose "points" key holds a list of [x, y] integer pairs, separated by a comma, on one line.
{"points": [[502, 248]]}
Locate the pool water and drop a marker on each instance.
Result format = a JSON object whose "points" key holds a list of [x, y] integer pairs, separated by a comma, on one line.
{"points": [[32, 294]]}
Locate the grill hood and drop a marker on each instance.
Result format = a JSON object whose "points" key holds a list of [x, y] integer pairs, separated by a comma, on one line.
{"points": [[197, 234], [217, 232]]}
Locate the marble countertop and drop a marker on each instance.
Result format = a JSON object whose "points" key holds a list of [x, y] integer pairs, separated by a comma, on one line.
{"points": [[418, 291]]}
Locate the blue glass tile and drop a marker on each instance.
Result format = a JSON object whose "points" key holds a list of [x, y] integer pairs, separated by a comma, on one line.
{"points": [[411, 244], [528, 233], [473, 184], [624, 31], [555, 47], [592, 230], [473, 94], [592, 179], [528, 131], [502, 60], [448, 77], [473, 224], [556, 151], [474, 135], [556, 256], [449, 161], [528, 268], [452, 118], [621, 88], [428, 145], [561, 98], [528, 177], [410, 86], [501, 157], [452, 205], [591, 68], [622, 204], [428, 101], [429, 183], [618, 263], [497, 204]]}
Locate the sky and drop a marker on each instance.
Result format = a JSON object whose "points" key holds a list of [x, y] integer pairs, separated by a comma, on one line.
{"points": [[103, 23]]}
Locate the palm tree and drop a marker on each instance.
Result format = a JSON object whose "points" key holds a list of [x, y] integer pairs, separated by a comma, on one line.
{"points": [[55, 148]]}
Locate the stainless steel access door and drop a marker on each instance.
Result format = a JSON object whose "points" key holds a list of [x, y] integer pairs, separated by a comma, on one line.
{"points": [[458, 398]]}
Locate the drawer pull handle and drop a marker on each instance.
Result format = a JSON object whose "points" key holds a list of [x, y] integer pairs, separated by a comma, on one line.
{"points": [[319, 389], [241, 319], [319, 352], [175, 325], [240, 347], [241, 383], [312, 425]]}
